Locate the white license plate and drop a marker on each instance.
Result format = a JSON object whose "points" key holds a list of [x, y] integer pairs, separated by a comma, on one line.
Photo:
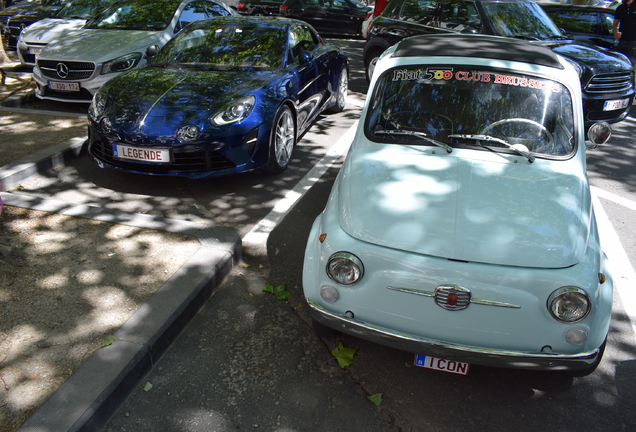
{"points": [[64, 86], [35, 51], [615, 104], [141, 154], [439, 364]]}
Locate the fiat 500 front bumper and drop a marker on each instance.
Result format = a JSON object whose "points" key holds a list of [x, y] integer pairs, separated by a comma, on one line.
{"points": [[468, 354]]}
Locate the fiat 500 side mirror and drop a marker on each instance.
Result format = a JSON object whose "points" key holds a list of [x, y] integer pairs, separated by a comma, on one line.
{"points": [[598, 133]]}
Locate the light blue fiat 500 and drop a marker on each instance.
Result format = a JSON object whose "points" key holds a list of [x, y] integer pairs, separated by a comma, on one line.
{"points": [[461, 226]]}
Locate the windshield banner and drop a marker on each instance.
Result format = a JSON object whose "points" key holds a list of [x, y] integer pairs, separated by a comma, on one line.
{"points": [[430, 74]]}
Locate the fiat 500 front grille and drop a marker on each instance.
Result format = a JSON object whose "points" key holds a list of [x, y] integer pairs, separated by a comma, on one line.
{"points": [[66, 70], [610, 83]]}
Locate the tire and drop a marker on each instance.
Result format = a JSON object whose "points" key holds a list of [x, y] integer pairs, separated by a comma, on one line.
{"points": [[370, 62], [341, 95], [282, 140]]}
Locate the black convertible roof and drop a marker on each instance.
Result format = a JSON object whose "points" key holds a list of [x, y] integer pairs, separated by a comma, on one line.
{"points": [[479, 46]]}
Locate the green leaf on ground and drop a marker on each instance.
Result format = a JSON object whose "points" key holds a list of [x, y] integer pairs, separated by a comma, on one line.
{"points": [[344, 355], [278, 291], [147, 387], [376, 399], [108, 341]]}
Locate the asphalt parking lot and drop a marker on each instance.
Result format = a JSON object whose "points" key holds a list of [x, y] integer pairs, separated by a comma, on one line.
{"points": [[249, 361]]}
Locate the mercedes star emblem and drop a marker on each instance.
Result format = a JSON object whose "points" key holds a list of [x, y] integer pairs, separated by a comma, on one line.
{"points": [[62, 70]]}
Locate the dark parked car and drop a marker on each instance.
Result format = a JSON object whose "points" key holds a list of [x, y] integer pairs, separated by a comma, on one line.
{"points": [[15, 18], [259, 7], [337, 17], [591, 24], [607, 78], [17, 8]]}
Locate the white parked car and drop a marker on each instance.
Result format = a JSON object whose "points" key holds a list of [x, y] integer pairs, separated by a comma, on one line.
{"points": [[364, 27], [74, 67], [73, 16], [460, 227]]}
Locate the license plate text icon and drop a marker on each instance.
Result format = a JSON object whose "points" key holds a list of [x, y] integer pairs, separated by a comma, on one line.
{"points": [[443, 365]]}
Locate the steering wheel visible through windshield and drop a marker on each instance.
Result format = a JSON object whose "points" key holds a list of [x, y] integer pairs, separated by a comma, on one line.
{"points": [[458, 107]]}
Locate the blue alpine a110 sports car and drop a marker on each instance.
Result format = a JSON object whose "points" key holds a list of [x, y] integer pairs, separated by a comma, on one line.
{"points": [[226, 95]]}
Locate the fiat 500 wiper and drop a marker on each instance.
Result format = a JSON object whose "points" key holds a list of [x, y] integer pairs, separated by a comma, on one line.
{"points": [[420, 135], [519, 148]]}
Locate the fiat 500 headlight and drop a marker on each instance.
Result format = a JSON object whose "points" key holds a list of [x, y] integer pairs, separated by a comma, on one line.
{"points": [[121, 64], [236, 111], [345, 268], [569, 304]]}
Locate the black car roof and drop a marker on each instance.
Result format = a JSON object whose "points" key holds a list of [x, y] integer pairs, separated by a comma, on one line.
{"points": [[480, 46]]}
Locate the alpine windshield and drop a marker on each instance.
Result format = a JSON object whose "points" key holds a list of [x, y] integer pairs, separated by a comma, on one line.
{"points": [[454, 107], [224, 47]]}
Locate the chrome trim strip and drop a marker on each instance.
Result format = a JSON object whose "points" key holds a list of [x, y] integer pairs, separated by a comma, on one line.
{"points": [[450, 351], [412, 291], [472, 300]]}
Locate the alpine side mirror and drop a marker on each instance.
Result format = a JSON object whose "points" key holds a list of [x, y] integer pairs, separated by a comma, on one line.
{"points": [[305, 58], [599, 133]]}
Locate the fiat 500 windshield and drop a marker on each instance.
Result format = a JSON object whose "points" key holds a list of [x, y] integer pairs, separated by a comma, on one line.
{"points": [[225, 47], [450, 108]]}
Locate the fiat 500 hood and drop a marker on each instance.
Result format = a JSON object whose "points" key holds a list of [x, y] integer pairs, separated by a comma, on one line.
{"points": [[50, 29], [484, 209], [163, 99], [98, 46]]}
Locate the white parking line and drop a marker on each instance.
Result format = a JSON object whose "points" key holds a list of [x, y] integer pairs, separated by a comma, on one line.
{"points": [[256, 239], [622, 270], [614, 198]]}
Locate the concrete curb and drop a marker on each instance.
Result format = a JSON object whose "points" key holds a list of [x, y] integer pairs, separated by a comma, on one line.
{"points": [[12, 174], [90, 396]]}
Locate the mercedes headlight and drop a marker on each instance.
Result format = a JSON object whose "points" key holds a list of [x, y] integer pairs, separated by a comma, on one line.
{"points": [[121, 64], [236, 111], [345, 268], [569, 304]]}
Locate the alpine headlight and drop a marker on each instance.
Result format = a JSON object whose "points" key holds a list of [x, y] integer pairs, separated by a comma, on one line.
{"points": [[236, 111], [569, 304], [345, 268], [97, 106], [121, 64]]}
